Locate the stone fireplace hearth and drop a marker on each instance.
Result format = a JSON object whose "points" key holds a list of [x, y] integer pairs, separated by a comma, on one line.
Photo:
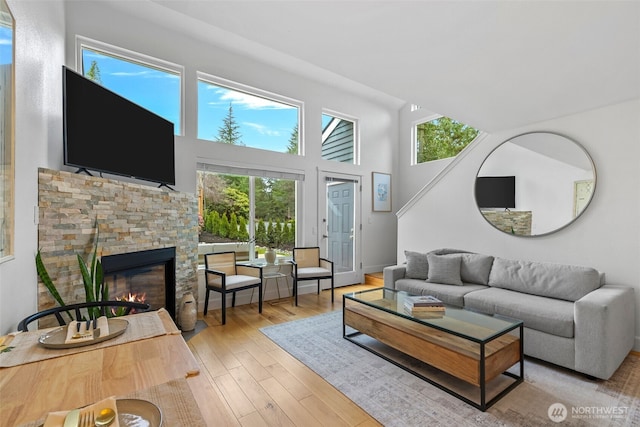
{"points": [[130, 218]]}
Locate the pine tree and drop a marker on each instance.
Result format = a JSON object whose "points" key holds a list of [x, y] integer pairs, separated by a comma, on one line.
{"points": [[228, 133], [94, 72], [243, 233], [223, 231], [292, 148], [233, 226]]}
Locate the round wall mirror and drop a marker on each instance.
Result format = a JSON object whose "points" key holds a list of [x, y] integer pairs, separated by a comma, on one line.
{"points": [[535, 184]]}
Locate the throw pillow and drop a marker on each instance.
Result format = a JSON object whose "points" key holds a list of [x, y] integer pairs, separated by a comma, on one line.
{"points": [[475, 268], [444, 269], [417, 265]]}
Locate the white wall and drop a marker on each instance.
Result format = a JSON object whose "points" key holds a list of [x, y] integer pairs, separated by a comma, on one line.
{"points": [[39, 53], [46, 40], [606, 236]]}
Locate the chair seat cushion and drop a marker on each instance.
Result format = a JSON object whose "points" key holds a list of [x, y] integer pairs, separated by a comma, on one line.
{"points": [[238, 281], [311, 272]]}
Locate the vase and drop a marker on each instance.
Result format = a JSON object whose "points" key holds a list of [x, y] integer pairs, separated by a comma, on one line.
{"points": [[270, 256], [188, 312]]}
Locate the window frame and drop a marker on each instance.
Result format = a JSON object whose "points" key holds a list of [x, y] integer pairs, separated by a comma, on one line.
{"points": [[256, 173], [356, 133], [139, 58], [414, 137], [257, 92], [7, 145]]}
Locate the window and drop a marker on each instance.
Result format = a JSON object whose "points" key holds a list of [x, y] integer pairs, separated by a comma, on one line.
{"points": [[247, 213], [6, 132], [233, 114], [151, 83], [338, 139], [441, 138]]}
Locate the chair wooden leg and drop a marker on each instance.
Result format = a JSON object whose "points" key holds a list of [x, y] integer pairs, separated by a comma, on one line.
{"points": [[206, 302]]}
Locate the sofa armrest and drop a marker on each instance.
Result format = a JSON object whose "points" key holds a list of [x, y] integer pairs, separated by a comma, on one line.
{"points": [[392, 273], [604, 330]]}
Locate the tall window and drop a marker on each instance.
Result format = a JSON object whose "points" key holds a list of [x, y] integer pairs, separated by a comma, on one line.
{"points": [[338, 139], [233, 114], [151, 83], [441, 138], [251, 213], [6, 132]]}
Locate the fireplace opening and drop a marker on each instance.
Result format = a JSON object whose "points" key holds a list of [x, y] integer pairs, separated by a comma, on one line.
{"points": [[144, 276]]}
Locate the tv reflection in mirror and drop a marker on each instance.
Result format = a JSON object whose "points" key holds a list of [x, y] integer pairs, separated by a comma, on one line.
{"points": [[496, 192]]}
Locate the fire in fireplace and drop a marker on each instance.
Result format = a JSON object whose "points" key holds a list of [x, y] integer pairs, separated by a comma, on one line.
{"points": [[144, 276]]}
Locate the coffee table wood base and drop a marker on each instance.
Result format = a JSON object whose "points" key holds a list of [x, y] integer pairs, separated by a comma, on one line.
{"points": [[475, 363]]}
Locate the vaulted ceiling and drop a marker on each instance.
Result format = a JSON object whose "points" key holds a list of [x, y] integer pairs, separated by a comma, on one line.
{"points": [[492, 64]]}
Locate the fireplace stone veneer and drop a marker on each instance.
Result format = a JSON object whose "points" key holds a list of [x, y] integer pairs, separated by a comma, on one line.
{"points": [[130, 218]]}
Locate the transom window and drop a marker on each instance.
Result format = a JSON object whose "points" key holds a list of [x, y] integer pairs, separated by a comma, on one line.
{"points": [[151, 83], [441, 138], [234, 114], [338, 138]]}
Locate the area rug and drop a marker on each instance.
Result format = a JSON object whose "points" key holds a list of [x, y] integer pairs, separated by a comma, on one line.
{"points": [[549, 395]]}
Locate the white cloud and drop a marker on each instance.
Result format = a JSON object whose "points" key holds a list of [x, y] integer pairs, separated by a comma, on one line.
{"points": [[249, 101], [262, 129], [150, 74]]}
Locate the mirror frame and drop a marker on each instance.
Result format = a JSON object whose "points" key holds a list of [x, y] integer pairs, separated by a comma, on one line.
{"points": [[7, 147], [568, 223]]}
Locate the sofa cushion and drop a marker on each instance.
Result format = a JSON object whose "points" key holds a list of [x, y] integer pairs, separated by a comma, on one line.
{"points": [[444, 269], [567, 282], [417, 265], [475, 268], [452, 295], [548, 315]]}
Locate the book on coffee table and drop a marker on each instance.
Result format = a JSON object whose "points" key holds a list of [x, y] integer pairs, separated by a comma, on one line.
{"points": [[422, 301], [431, 313]]}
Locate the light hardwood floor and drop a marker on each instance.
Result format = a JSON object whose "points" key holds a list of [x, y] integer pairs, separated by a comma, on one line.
{"points": [[253, 382]]}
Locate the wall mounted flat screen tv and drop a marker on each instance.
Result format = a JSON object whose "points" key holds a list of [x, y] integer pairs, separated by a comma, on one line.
{"points": [[496, 191], [105, 132]]}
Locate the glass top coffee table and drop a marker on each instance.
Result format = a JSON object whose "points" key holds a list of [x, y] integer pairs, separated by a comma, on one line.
{"points": [[467, 354]]}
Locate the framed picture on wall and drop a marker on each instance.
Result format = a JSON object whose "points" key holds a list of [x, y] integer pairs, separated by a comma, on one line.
{"points": [[381, 192]]}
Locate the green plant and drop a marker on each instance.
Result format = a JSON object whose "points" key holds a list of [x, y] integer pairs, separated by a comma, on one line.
{"points": [[92, 278]]}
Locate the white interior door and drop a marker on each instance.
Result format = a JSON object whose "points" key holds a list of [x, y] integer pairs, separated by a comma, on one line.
{"points": [[340, 225]]}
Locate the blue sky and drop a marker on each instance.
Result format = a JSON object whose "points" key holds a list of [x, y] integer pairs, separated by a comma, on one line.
{"points": [[263, 123], [6, 35]]}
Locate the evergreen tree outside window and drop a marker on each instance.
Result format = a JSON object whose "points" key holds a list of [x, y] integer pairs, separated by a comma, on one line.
{"points": [[441, 138], [228, 201], [234, 114]]}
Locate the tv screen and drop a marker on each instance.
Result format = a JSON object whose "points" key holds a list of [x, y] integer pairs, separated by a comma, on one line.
{"points": [[496, 191], [105, 132]]}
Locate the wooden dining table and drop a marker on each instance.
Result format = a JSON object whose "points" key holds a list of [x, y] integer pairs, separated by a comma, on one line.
{"points": [[29, 391]]}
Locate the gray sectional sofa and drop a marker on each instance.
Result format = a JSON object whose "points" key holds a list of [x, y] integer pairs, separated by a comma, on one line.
{"points": [[571, 317]]}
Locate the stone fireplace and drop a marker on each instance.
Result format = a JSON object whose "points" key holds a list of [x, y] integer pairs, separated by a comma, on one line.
{"points": [[126, 219]]}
